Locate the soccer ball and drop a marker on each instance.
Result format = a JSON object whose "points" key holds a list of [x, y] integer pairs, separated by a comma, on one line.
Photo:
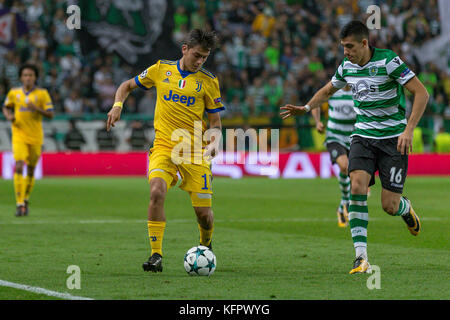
{"points": [[200, 261]]}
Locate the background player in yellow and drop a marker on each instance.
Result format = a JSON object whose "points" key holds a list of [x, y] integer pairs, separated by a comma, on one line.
{"points": [[24, 107], [185, 91]]}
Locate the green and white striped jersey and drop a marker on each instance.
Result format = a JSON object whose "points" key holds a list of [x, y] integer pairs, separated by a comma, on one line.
{"points": [[377, 89], [341, 118]]}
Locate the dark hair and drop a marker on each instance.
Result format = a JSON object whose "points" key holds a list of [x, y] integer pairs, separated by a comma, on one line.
{"points": [[206, 39], [355, 28], [29, 66]]}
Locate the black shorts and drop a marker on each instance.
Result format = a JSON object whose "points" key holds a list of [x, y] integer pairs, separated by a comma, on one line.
{"points": [[372, 155], [336, 150]]}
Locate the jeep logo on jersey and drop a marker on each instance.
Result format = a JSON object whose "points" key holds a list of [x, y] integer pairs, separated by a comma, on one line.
{"points": [[188, 101], [360, 89], [129, 28]]}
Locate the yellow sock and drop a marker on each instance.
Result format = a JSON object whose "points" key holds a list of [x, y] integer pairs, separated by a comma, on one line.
{"points": [[18, 188], [205, 235], [156, 234], [29, 184]]}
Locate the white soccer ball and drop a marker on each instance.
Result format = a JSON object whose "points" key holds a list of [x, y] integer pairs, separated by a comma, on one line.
{"points": [[200, 261]]}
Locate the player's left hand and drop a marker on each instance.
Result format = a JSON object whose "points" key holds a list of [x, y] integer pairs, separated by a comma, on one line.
{"points": [[113, 117], [31, 106], [404, 143], [210, 151], [292, 110]]}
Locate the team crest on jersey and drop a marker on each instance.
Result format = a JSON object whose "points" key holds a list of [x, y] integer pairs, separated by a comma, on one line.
{"points": [[373, 71], [199, 85], [181, 84], [143, 74]]}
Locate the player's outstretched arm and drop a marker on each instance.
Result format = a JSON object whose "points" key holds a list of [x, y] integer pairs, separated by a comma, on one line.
{"points": [[319, 125], [215, 134], [9, 115], [316, 101], [121, 94], [421, 96]]}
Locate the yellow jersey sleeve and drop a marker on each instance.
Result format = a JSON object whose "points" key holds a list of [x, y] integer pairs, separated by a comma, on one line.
{"points": [[148, 77], [9, 101], [46, 101], [213, 99]]}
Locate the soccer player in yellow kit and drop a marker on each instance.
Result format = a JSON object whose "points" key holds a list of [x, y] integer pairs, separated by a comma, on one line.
{"points": [[185, 91], [24, 107]]}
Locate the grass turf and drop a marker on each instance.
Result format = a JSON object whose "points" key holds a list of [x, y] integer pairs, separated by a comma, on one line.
{"points": [[274, 239]]}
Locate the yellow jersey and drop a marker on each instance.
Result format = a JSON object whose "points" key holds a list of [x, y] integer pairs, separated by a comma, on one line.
{"points": [[182, 97], [27, 127]]}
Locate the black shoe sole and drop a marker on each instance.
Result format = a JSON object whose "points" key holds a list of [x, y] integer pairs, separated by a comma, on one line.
{"points": [[150, 267]]}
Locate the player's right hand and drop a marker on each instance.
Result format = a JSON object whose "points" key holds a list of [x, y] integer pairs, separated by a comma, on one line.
{"points": [[292, 110], [113, 117], [320, 127]]}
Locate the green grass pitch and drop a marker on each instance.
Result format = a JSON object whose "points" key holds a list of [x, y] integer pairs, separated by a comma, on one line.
{"points": [[274, 239]]}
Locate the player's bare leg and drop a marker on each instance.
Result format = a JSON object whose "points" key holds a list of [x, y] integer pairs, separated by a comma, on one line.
{"points": [[19, 188], [156, 224], [359, 218], [344, 184], [397, 205], [205, 219], [29, 183]]}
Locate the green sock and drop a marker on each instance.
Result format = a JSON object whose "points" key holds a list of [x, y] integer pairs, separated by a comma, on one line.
{"points": [[358, 220], [344, 185], [403, 207]]}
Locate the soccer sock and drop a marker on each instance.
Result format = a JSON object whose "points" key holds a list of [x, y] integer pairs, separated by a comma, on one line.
{"points": [[205, 235], [358, 219], [29, 184], [156, 234], [344, 185], [403, 207], [19, 188]]}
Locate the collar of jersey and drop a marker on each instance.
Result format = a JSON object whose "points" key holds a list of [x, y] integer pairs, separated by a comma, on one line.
{"points": [[27, 93], [183, 73]]}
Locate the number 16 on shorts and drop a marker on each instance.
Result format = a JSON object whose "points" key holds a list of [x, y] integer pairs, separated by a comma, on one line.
{"points": [[207, 181]]}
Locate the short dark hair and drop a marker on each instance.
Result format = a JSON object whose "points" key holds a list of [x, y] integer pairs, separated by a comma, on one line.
{"points": [[29, 66], [206, 39], [355, 28]]}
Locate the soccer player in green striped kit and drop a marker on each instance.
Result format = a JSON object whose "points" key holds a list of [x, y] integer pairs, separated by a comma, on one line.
{"points": [[340, 125], [382, 138]]}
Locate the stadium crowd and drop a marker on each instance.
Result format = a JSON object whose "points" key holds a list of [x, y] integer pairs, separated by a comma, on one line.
{"points": [[271, 53]]}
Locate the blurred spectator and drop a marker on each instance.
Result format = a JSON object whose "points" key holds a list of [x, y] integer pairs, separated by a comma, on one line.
{"points": [[137, 136], [106, 140], [73, 139], [73, 104], [106, 91], [264, 22], [147, 103]]}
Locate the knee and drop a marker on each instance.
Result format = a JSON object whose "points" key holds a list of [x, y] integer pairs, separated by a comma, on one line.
{"points": [[358, 186], [19, 167], [157, 195], [344, 170]]}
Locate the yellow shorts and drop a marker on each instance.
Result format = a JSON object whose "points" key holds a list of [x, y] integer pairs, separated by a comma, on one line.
{"points": [[29, 153], [195, 178]]}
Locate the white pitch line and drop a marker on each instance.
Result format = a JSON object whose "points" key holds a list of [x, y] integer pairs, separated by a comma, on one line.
{"points": [[112, 221], [46, 292]]}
